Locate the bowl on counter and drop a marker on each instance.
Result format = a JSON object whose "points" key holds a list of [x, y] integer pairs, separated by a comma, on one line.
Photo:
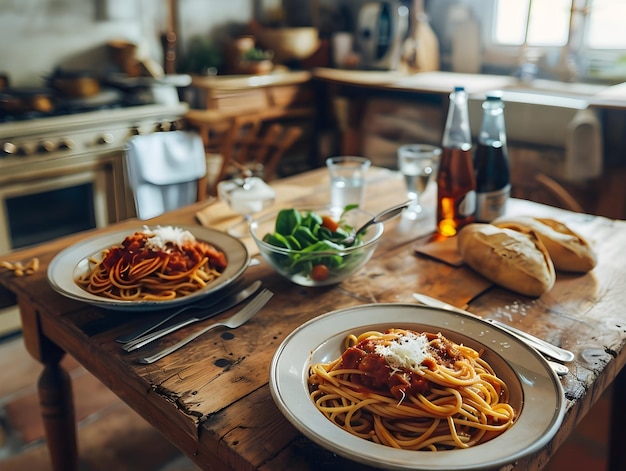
{"points": [[289, 44], [303, 246]]}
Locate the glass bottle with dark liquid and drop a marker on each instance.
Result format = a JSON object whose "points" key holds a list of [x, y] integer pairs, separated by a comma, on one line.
{"points": [[491, 162], [456, 183]]}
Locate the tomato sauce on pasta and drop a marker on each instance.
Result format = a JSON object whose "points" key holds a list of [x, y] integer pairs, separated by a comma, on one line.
{"points": [[413, 391], [154, 264]]}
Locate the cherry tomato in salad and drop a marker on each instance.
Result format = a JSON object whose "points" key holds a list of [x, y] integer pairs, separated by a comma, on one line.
{"points": [[319, 272], [330, 224]]}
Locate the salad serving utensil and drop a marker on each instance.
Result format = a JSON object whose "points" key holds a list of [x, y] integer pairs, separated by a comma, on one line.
{"points": [[224, 305], [383, 216], [238, 319], [546, 348]]}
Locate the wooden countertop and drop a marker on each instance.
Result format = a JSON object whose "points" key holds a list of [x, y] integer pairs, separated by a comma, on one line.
{"points": [[426, 82], [613, 97], [438, 82], [246, 82], [600, 96]]}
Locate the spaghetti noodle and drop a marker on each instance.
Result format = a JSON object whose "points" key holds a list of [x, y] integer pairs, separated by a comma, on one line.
{"points": [[154, 264], [413, 391]]}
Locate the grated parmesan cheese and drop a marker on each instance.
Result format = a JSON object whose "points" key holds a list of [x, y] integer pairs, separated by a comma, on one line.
{"points": [[407, 351], [159, 237]]}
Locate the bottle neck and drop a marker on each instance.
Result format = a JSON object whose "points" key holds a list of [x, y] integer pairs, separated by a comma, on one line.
{"points": [[493, 128], [457, 131]]}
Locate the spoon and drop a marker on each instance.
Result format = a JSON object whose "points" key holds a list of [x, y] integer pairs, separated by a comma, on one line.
{"points": [[383, 216]]}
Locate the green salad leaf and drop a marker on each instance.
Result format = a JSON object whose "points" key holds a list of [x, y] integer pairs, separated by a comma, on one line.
{"points": [[317, 240]]}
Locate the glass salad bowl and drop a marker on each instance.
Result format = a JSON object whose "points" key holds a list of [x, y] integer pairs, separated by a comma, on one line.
{"points": [[305, 244]]}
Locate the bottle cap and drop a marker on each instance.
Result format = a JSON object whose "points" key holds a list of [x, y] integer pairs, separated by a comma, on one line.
{"points": [[459, 88], [493, 96]]}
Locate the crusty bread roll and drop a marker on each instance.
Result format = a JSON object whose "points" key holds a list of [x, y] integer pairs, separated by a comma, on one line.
{"points": [[568, 250], [516, 260]]}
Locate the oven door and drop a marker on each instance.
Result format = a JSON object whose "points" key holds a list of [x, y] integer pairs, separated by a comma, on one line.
{"points": [[53, 203]]}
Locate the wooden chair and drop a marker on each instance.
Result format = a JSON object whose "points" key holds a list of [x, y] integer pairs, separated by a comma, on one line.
{"points": [[166, 171], [559, 193], [250, 144]]}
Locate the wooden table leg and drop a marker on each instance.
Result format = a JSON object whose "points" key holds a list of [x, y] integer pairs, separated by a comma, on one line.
{"points": [[617, 439], [57, 412], [55, 392]]}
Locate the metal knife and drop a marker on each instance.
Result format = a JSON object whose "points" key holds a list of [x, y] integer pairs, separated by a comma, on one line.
{"points": [[224, 305], [153, 324], [539, 344]]}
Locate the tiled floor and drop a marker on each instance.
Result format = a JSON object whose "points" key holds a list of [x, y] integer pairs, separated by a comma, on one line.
{"points": [[112, 437]]}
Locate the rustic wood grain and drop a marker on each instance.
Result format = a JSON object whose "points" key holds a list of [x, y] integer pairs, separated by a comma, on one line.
{"points": [[212, 397]]}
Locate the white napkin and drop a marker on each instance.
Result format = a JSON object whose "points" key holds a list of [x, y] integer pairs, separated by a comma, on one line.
{"points": [[164, 169]]}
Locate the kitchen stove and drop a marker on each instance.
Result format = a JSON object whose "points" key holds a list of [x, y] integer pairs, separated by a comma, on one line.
{"points": [[64, 173], [37, 136]]}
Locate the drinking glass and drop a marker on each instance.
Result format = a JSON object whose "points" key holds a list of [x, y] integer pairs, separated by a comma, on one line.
{"points": [[418, 163], [347, 180], [247, 196]]}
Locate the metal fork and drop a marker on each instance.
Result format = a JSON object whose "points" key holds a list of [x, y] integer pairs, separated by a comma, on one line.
{"points": [[240, 318], [225, 304], [152, 325]]}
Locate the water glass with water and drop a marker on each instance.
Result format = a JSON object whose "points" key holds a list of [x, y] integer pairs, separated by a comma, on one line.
{"points": [[418, 163], [347, 180]]}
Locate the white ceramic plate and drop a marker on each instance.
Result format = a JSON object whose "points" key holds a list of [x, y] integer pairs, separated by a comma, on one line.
{"points": [[72, 262], [537, 394]]}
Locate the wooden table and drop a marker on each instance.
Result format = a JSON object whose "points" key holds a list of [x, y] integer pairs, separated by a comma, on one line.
{"points": [[212, 398]]}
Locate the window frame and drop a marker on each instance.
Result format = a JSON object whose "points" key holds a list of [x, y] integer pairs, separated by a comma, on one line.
{"points": [[500, 57]]}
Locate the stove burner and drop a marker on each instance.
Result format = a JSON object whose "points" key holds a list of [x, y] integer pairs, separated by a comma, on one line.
{"points": [[107, 99], [59, 111]]}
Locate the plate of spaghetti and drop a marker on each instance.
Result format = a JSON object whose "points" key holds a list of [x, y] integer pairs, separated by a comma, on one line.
{"points": [[402, 386], [148, 268]]}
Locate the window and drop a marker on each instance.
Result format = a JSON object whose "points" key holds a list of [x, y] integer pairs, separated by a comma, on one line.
{"points": [[590, 32], [606, 25], [548, 22], [536, 23]]}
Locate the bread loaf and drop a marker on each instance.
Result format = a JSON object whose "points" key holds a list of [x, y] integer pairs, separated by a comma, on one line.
{"points": [[515, 260], [568, 250]]}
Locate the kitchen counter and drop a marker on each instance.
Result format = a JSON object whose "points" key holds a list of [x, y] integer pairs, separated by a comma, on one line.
{"points": [[476, 84], [425, 82], [438, 82], [244, 82], [612, 97]]}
